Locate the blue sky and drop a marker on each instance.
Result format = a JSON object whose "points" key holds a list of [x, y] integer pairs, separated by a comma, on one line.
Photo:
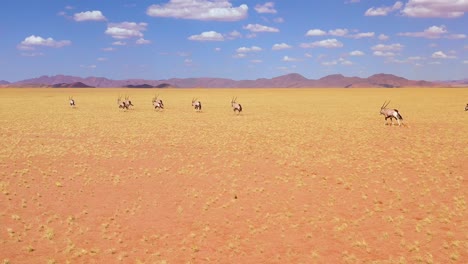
{"points": [[237, 39]]}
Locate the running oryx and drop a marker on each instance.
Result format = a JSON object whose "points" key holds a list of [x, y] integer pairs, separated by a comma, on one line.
{"points": [[236, 106], [466, 107], [128, 102], [196, 104], [122, 104], [72, 101], [390, 113], [157, 103]]}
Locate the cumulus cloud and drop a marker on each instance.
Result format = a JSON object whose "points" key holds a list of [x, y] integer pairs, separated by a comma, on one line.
{"points": [[315, 32], [126, 30], [390, 47], [327, 43], [383, 37], [340, 61], [95, 15], [246, 49], [207, 36], [384, 53], [219, 10], [383, 11], [339, 32], [233, 35], [268, 7], [441, 55], [260, 28], [356, 53], [281, 46], [142, 41], [31, 42], [363, 35], [289, 59], [433, 32], [435, 8]]}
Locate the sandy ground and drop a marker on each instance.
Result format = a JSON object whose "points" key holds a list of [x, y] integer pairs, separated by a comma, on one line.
{"points": [[301, 176]]}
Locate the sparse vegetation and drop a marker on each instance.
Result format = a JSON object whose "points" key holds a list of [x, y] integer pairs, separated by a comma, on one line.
{"points": [[294, 178]]}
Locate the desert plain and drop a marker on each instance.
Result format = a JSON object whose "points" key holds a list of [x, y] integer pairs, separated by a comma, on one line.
{"points": [[300, 176]]}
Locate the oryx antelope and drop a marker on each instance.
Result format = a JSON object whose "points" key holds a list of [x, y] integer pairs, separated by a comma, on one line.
{"points": [[72, 101], [466, 107], [235, 105], [157, 103], [390, 113], [122, 104], [196, 104], [128, 102]]}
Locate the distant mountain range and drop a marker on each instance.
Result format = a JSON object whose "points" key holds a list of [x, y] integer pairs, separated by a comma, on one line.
{"points": [[292, 80]]}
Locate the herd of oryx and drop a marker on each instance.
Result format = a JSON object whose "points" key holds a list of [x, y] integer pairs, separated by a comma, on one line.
{"points": [[158, 103], [388, 113]]}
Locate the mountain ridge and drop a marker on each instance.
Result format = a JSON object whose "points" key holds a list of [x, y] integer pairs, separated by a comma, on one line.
{"points": [[291, 80]]}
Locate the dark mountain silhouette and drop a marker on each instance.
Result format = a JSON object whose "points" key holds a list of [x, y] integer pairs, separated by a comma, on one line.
{"points": [[162, 85], [71, 85], [2, 82], [284, 81]]}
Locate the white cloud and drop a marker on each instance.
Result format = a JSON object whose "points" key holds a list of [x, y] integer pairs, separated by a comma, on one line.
{"points": [[31, 42], [268, 7], [356, 53], [95, 15], [465, 62], [281, 46], [246, 49], [219, 10], [327, 43], [289, 59], [126, 30], [256, 61], [340, 61], [431, 32], [456, 36], [142, 41], [316, 32], [233, 35], [260, 28], [207, 36], [308, 55], [383, 37], [441, 55], [339, 32], [363, 35], [383, 11], [390, 47], [383, 53], [102, 59], [239, 55], [435, 8]]}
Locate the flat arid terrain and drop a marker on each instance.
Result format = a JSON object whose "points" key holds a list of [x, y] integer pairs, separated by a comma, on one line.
{"points": [[300, 176]]}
